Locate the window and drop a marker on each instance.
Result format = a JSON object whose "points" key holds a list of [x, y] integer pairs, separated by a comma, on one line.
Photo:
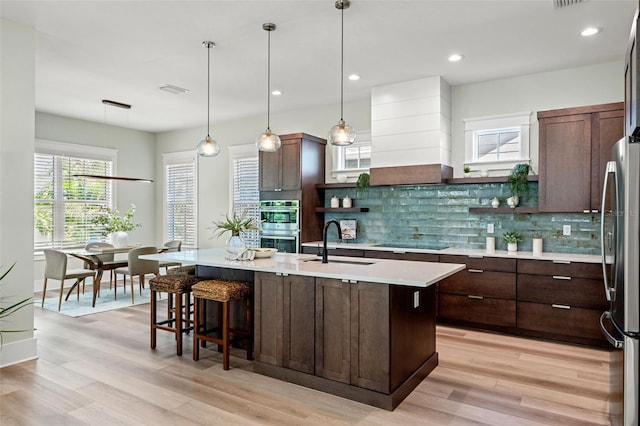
{"points": [[64, 205], [355, 158], [498, 142], [181, 191], [245, 189]]}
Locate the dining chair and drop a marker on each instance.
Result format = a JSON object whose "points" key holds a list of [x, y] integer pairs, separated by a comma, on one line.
{"points": [[56, 268], [137, 267], [108, 261], [174, 245]]}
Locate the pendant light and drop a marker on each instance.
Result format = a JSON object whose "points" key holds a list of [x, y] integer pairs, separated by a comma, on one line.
{"points": [[342, 134], [268, 141], [207, 146]]}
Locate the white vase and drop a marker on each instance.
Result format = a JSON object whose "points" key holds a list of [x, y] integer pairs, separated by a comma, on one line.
{"points": [[235, 245], [119, 239], [513, 247], [495, 203], [513, 201]]}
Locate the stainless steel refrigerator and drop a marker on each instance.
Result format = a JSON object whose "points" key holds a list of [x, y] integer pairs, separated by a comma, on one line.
{"points": [[620, 234]]}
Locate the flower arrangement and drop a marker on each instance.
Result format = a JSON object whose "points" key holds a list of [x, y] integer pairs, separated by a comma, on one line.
{"points": [[12, 308], [236, 224], [109, 220]]}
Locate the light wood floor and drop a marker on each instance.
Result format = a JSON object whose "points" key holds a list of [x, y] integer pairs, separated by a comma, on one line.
{"points": [[99, 370]]}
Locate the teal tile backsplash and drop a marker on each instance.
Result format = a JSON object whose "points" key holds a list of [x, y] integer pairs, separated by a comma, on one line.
{"points": [[438, 214]]}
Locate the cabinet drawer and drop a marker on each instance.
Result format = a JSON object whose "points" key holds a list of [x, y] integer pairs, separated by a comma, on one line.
{"points": [[570, 269], [482, 311], [499, 264], [501, 285], [421, 257], [574, 322], [574, 292]]}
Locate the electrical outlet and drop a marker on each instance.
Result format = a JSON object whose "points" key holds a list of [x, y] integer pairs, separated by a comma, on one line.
{"points": [[566, 230], [490, 228]]}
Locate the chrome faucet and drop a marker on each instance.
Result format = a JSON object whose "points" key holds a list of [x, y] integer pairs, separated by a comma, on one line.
{"points": [[324, 239]]}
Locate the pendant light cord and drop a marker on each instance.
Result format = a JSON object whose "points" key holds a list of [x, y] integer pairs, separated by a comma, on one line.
{"points": [[268, 78], [341, 60], [208, 86]]}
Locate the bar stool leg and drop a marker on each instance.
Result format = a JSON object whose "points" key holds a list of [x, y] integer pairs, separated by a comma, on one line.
{"points": [[196, 328], [178, 322], [219, 331], [249, 330], [154, 318], [225, 335]]}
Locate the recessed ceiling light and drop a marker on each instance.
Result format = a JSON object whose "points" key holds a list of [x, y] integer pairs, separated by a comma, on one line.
{"points": [[354, 77], [276, 92], [455, 57], [590, 31]]}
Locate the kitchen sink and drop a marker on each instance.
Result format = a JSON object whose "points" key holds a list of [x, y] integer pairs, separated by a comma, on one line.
{"points": [[349, 262]]}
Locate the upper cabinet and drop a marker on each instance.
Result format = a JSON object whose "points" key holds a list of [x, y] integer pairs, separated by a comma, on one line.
{"points": [[300, 159], [575, 145]]}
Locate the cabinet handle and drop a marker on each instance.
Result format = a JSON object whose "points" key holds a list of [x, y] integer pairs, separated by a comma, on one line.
{"points": [[561, 306], [595, 211], [586, 211], [477, 271], [470, 296], [345, 281], [475, 256], [353, 282], [561, 277], [562, 262], [399, 251], [278, 189]]}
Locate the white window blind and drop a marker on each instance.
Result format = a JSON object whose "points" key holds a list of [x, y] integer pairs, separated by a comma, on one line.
{"points": [[64, 205], [246, 194], [181, 201]]}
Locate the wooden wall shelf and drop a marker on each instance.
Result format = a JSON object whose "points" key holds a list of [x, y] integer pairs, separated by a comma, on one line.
{"points": [[336, 185], [503, 210], [490, 179], [342, 210]]}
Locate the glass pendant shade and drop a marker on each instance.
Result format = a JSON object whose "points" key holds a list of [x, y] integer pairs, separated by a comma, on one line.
{"points": [[268, 141], [208, 147], [342, 134]]}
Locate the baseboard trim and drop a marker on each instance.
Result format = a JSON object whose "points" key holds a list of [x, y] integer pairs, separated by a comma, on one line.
{"points": [[17, 352]]}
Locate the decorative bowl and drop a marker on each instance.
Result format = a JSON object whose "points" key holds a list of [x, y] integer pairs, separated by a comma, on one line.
{"points": [[264, 252]]}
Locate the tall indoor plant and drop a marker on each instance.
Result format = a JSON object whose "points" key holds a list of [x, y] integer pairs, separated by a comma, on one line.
{"points": [[11, 308]]}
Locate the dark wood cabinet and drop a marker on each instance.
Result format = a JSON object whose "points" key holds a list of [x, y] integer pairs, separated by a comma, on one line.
{"points": [[292, 173], [284, 321], [574, 147], [484, 294], [401, 255], [561, 300]]}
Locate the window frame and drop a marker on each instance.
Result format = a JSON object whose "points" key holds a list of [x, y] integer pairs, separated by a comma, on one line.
{"points": [[84, 152], [239, 152], [337, 152], [476, 125], [175, 159]]}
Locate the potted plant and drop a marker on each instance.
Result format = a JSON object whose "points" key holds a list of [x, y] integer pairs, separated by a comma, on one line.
{"points": [[362, 184], [110, 222], [235, 224], [467, 171], [512, 239], [518, 183], [6, 311]]}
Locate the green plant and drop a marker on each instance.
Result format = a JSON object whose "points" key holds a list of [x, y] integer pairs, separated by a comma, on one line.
{"points": [[236, 224], [12, 308], [518, 181], [362, 184], [466, 169], [109, 220], [511, 237]]}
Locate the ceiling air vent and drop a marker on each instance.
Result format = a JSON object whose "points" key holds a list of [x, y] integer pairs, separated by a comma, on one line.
{"points": [[173, 89], [558, 4]]}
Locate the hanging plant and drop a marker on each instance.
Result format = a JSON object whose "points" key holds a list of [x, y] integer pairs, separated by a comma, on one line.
{"points": [[362, 184], [518, 181]]}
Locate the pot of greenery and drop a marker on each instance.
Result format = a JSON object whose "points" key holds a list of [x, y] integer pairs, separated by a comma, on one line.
{"points": [[110, 222], [518, 183], [235, 224], [362, 184], [467, 171], [512, 239]]}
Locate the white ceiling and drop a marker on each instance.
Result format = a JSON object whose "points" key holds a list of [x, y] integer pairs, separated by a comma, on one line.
{"points": [[125, 50]]}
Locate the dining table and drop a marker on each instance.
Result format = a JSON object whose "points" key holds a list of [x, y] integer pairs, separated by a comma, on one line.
{"points": [[92, 257]]}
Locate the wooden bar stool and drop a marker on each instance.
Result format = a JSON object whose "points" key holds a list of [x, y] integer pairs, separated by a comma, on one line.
{"points": [[187, 270], [224, 292], [178, 319]]}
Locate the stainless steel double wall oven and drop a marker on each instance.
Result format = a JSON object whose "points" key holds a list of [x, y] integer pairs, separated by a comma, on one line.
{"points": [[280, 227]]}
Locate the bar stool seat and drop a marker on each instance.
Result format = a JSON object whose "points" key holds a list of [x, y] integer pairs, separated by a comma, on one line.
{"points": [[224, 292], [188, 270], [179, 318]]}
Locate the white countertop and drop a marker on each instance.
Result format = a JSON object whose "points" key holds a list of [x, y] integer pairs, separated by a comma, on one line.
{"points": [[559, 257], [396, 272]]}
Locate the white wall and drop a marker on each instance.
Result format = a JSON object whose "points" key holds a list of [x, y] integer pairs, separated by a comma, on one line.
{"points": [[590, 85], [136, 158], [213, 191], [17, 106]]}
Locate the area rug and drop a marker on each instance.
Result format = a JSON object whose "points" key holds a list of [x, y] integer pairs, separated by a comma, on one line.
{"points": [[104, 302]]}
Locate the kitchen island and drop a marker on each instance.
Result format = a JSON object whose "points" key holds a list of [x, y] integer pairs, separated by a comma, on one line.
{"points": [[362, 329]]}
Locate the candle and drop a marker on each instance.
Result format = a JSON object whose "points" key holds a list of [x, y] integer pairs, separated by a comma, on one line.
{"points": [[537, 246], [491, 244]]}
